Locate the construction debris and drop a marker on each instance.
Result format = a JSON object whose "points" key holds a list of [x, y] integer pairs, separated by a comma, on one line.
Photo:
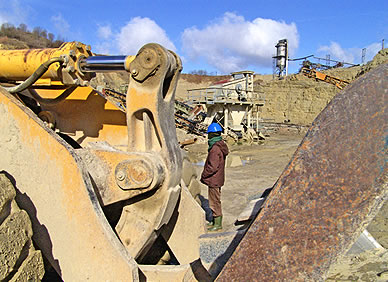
{"points": [[187, 142], [190, 118]]}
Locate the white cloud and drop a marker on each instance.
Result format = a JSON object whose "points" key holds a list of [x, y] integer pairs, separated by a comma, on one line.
{"points": [[13, 12], [103, 48], [233, 43], [349, 55], [131, 37], [140, 31], [372, 50], [104, 32], [3, 19], [61, 25], [105, 45], [336, 52]]}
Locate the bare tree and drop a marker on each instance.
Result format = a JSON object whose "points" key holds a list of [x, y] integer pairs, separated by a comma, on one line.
{"points": [[50, 37], [22, 27]]}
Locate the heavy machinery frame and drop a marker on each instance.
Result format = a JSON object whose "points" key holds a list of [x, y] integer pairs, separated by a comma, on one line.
{"points": [[103, 187]]}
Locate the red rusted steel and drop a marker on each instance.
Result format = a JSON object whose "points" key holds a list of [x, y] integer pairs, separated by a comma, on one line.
{"points": [[329, 192]]}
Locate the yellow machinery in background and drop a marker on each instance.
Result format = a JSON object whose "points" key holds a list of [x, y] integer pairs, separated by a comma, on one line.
{"points": [[313, 73], [102, 187]]}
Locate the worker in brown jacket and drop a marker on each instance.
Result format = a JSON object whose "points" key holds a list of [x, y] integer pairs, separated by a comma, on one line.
{"points": [[213, 174]]}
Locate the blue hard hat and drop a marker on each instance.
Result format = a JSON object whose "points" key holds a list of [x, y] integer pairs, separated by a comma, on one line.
{"points": [[214, 127]]}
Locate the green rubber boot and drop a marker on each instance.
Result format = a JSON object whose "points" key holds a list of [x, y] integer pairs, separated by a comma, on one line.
{"points": [[210, 223], [217, 224]]}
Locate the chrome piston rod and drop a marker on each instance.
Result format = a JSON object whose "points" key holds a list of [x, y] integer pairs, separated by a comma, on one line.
{"points": [[121, 63], [104, 63]]}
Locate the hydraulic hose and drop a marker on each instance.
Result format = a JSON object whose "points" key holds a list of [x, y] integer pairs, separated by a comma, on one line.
{"points": [[35, 76]]}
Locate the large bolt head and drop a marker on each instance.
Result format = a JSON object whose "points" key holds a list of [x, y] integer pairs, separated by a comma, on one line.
{"points": [[133, 174]]}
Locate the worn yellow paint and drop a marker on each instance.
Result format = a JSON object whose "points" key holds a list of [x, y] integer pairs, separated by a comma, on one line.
{"points": [[128, 61], [88, 117], [53, 178], [20, 64]]}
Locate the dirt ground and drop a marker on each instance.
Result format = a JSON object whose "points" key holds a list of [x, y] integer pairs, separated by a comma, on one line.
{"points": [[261, 166]]}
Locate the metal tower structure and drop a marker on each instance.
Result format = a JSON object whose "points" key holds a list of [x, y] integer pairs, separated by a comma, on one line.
{"points": [[281, 58]]}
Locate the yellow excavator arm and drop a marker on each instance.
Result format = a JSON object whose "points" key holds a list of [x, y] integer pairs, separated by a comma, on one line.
{"points": [[72, 63], [104, 184]]}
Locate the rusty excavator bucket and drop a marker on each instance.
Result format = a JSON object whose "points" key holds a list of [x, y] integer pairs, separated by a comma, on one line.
{"points": [[332, 188]]}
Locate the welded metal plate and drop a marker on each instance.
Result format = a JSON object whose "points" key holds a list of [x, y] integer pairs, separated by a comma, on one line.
{"points": [[331, 189]]}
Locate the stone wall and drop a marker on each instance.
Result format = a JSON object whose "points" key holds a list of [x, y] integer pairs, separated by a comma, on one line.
{"points": [[296, 99]]}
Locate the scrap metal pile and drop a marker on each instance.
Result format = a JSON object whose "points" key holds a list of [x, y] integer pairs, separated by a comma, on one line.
{"points": [[190, 118]]}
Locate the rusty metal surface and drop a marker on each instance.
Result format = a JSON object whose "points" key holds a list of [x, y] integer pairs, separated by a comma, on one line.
{"points": [[134, 174], [119, 175], [313, 73], [331, 189]]}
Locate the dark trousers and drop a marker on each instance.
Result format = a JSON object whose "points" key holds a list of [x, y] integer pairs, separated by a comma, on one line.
{"points": [[215, 200]]}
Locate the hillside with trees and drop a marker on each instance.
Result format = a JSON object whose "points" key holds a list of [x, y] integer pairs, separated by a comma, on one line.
{"points": [[21, 37]]}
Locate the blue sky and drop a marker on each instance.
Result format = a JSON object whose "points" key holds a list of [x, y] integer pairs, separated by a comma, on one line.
{"points": [[216, 36]]}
